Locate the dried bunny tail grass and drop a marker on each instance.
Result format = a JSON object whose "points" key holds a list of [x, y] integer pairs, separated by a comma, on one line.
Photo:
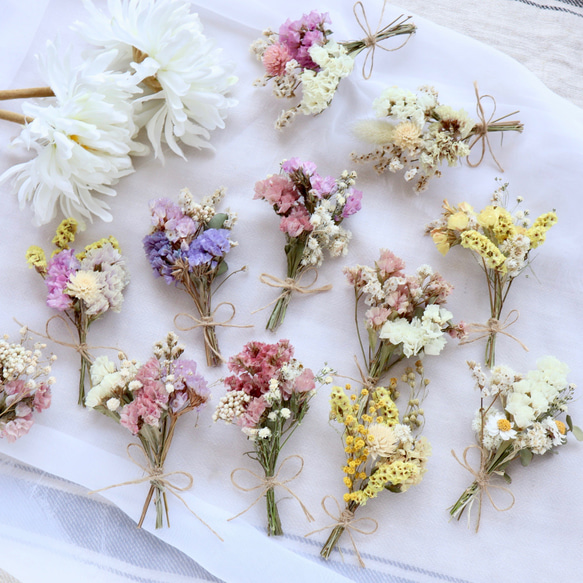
{"points": [[374, 131]]}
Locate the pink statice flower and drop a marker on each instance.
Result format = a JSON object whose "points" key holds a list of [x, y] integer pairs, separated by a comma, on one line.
{"points": [[323, 186], [275, 58], [296, 222], [389, 264], [353, 203], [42, 398], [376, 317], [12, 430], [279, 191], [300, 35]]}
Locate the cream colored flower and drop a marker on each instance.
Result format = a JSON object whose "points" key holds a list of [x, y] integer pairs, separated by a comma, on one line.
{"points": [[382, 441], [87, 286], [407, 136]]}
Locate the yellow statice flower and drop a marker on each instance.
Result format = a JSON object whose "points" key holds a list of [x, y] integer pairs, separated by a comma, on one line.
{"points": [[35, 257], [488, 217], [537, 233], [504, 227], [479, 243], [441, 241], [65, 233], [385, 406], [340, 405]]}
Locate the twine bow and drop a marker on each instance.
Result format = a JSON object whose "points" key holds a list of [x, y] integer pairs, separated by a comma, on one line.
{"points": [[347, 521], [482, 479], [494, 326], [209, 322], [268, 483], [290, 284], [81, 347], [160, 479], [372, 39], [481, 128]]}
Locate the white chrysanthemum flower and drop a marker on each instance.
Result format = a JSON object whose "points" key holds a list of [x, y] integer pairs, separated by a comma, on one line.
{"points": [[83, 139], [185, 80]]}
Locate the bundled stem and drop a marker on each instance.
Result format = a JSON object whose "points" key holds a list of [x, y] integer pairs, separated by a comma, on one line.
{"points": [[6, 94]]}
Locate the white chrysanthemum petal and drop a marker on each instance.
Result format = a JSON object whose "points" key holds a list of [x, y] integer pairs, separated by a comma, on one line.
{"points": [[185, 79]]}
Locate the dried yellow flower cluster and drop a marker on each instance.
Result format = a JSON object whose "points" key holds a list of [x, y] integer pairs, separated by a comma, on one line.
{"points": [[380, 452]]}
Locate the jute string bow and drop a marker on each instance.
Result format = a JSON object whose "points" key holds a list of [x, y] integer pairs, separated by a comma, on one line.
{"points": [[372, 39], [482, 479], [268, 483], [493, 326], [209, 322], [81, 347], [290, 284], [481, 128], [160, 479], [345, 519]]}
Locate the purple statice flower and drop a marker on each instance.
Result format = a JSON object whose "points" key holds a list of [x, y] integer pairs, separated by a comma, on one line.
{"points": [[161, 255], [353, 203], [323, 187], [169, 217], [186, 377], [211, 245], [59, 269], [299, 35], [294, 164]]}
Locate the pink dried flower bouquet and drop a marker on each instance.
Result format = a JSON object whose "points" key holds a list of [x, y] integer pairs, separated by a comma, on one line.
{"points": [[24, 385], [268, 396], [148, 401]]}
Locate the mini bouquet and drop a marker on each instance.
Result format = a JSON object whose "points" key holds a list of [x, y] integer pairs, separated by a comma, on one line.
{"points": [[82, 130], [180, 73], [518, 418], [24, 385], [148, 400], [382, 452], [312, 209], [81, 286], [303, 55], [502, 242], [405, 317], [187, 247], [268, 395], [417, 134]]}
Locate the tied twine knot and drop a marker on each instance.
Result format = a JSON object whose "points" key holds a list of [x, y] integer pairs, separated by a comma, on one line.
{"points": [[345, 519], [266, 483], [372, 39], [80, 347], [494, 326], [160, 479], [481, 128], [483, 480], [289, 284], [207, 322]]}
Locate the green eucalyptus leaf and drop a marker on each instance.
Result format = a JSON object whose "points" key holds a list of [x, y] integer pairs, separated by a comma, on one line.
{"points": [[577, 433], [217, 221], [525, 457], [569, 422], [507, 478], [223, 267]]}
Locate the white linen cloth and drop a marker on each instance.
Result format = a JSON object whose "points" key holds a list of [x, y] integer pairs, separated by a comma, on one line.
{"points": [[537, 540]]}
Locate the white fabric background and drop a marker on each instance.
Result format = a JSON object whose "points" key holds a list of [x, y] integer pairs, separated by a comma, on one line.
{"points": [[538, 540]]}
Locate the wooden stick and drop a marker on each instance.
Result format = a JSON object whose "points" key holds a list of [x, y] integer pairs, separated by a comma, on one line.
{"points": [[23, 93], [15, 117]]}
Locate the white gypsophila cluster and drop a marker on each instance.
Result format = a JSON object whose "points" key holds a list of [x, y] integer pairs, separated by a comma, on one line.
{"points": [[82, 138], [489, 441], [107, 379], [231, 406], [532, 396], [291, 370], [479, 377], [537, 438], [183, 76], [403, 435], [326, 234], [264, 433], [284, 86], [501, 380], [404, 105], [319, 87], [516, 250], [273, 395], [425, 333]]}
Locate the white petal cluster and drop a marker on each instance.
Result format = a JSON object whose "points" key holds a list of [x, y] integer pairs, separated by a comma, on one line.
{"points": [[425, 333], [318, 88], [184, 78], [107, 380], [82, 138], [231, 406]]}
